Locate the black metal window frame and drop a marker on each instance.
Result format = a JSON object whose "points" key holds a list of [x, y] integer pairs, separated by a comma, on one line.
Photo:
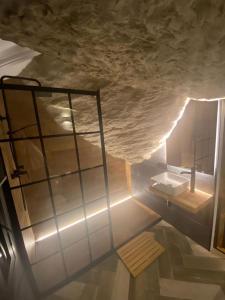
{"points": [[34, 89]]}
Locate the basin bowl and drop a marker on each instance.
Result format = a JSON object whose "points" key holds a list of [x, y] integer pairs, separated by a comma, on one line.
{"points": [[170, 183]]}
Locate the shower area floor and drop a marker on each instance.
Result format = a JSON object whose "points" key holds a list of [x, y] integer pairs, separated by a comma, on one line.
{"points": [[128, 219], [184, 271]]}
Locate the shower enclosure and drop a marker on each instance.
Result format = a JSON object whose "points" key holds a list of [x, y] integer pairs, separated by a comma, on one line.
{"points": [[60, 206]]}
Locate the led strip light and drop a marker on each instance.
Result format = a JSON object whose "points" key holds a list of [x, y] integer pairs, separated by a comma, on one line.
{"points": [[83, 219]]}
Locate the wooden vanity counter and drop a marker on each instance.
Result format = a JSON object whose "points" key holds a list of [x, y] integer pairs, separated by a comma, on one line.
{"points": [[192, 202]]}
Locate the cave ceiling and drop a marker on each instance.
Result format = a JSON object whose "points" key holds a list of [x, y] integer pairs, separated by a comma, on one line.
{"points": [[146, 56]]}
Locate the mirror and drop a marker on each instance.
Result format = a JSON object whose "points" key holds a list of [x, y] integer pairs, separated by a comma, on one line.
{"points": [[192, 142]]}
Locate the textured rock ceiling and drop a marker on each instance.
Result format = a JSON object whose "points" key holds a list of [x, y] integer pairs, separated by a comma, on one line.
{"points": [[147, 57]]}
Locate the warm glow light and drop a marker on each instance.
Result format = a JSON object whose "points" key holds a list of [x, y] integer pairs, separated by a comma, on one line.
{"points": [[67, 125], [205, 99], [196, 190], [200, 191], [180, 115], [167, 135], [83, 219]]}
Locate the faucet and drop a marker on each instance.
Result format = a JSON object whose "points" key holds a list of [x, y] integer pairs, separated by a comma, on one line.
{"points": [[192, 172]]}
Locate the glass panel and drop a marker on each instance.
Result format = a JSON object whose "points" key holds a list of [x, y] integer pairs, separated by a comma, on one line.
{"points": [[38, 202], [41, 241], [23, 120], [180, 147], [205, 156], [94, 184], [72, 227], [118, 179], [30, 158], [100, 242], [96, 207], [66, 192], [29, 242], [61, 155], [85, 113], [77, 256], [97, 222], [220, 232], [90, 154], [49, 272], [20, 205], [54, 113]]}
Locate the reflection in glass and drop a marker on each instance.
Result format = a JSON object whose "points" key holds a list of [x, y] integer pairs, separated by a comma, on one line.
{"points": [[29, 242], [66, 192], [77, 256], [85, 113], [97, 222], [23, 120], [96, 207], [72, 227], [94, 184], [61, 155], [38, 202], [54, 113], [90, 154], [30, 158], [100, 242], [192, 142], [49, 272], [20, 206], [41, 241]]}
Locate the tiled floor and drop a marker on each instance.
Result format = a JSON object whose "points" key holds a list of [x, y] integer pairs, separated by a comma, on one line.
{"points": [[184, 271]]}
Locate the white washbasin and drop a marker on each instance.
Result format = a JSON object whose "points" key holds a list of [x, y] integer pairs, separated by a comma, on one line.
{"points": [[170, 183]]}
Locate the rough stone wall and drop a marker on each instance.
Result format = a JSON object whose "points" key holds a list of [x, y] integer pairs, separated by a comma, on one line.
{"points": [[147, 56]]}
